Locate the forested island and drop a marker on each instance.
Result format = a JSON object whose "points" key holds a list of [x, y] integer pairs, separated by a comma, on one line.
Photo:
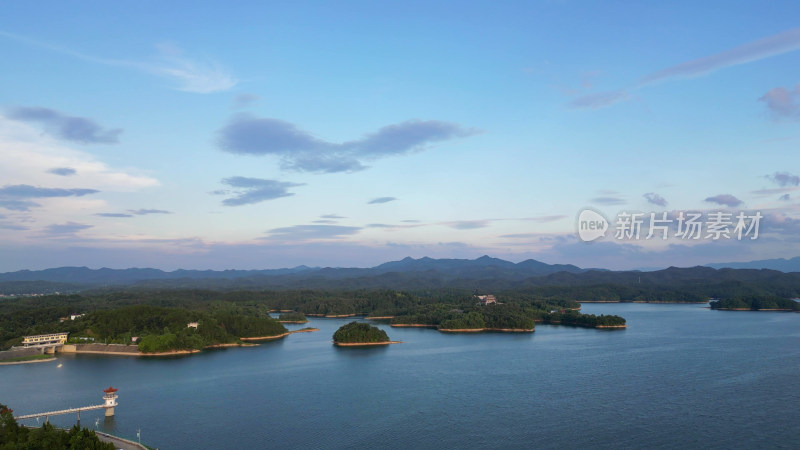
{"points": [[506, 317], [755, 303], [360, 334]]}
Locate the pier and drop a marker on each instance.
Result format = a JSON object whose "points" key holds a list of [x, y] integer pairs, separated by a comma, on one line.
{"points": [[110, 398]]}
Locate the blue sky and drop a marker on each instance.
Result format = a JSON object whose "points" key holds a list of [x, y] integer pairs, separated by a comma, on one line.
{"points": [[266, 134]]}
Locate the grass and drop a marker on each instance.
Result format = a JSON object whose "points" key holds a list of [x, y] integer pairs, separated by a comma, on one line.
{"points": [[28, 358]]}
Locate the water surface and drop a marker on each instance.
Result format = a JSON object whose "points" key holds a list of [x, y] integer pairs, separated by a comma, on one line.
{"points": [[680, 375]]}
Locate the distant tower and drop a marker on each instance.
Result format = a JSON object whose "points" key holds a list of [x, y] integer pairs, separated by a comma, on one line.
{"points": [[111, 400]]}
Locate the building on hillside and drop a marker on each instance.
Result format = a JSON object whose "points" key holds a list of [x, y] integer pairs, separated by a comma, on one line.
{"points": [[70, 317], [192, 325], [487, 299], [45, 339]]}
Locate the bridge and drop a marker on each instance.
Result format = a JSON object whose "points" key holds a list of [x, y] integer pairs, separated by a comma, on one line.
{"points": [[110, 398], [60, 412]]}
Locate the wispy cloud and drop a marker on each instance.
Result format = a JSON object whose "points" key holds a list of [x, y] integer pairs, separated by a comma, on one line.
{"points": [[598, 99], [544, 219], [144, 212], [609, 200], [784, 179], [63, 171], [28, 191], [189, 75], [28, 153], [247, 191], [69, 128], [66, 229], [783, 103], [307, 232], [331, 216], [12, 226], [302, 151], [379, 200], [655, 199], [18, 205], [118, 215], [752, 51], [245, 100], [468, 224], [18, 197], [521, 235], [725, 200]]}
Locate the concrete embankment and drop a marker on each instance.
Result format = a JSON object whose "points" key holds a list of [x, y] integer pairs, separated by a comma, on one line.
{"points": [[101, 349], [19, 353], [119, 442]]}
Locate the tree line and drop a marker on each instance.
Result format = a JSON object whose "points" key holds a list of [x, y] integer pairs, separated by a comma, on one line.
{"points": [[16, 437]]}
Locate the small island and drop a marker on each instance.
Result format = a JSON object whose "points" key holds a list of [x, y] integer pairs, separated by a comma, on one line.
{"points": [[357, 334], [755, 303], [292, 317]]}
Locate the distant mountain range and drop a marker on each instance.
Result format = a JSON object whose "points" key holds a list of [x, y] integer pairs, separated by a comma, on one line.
{"points": [[484, 266], [409, 273], [782, 264], [85, 275]]}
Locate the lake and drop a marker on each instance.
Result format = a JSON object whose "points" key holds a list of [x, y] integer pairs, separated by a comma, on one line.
{"points": [[679, 376]]}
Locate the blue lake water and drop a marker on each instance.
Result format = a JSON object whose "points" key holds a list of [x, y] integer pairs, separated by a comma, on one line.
{"points": [[679, 376]]}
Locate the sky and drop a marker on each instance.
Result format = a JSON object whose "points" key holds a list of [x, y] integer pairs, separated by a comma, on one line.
{"points": [[255, 135]]}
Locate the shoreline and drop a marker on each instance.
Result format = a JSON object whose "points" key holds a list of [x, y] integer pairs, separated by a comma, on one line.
{"points": [[607, 327], [333, 316], [756, 310], [30, 361], [412, 325], [479, 330], [279, 336], [379, 318], [645, 301], [265, 338], [246, 343], [364, 344], [293, 321], [230, 344]]}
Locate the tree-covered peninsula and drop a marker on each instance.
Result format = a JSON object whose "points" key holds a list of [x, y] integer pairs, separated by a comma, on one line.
{"points": [[154, 329], [292, 317], [360, 333], [514, 315], [755, 303]]}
